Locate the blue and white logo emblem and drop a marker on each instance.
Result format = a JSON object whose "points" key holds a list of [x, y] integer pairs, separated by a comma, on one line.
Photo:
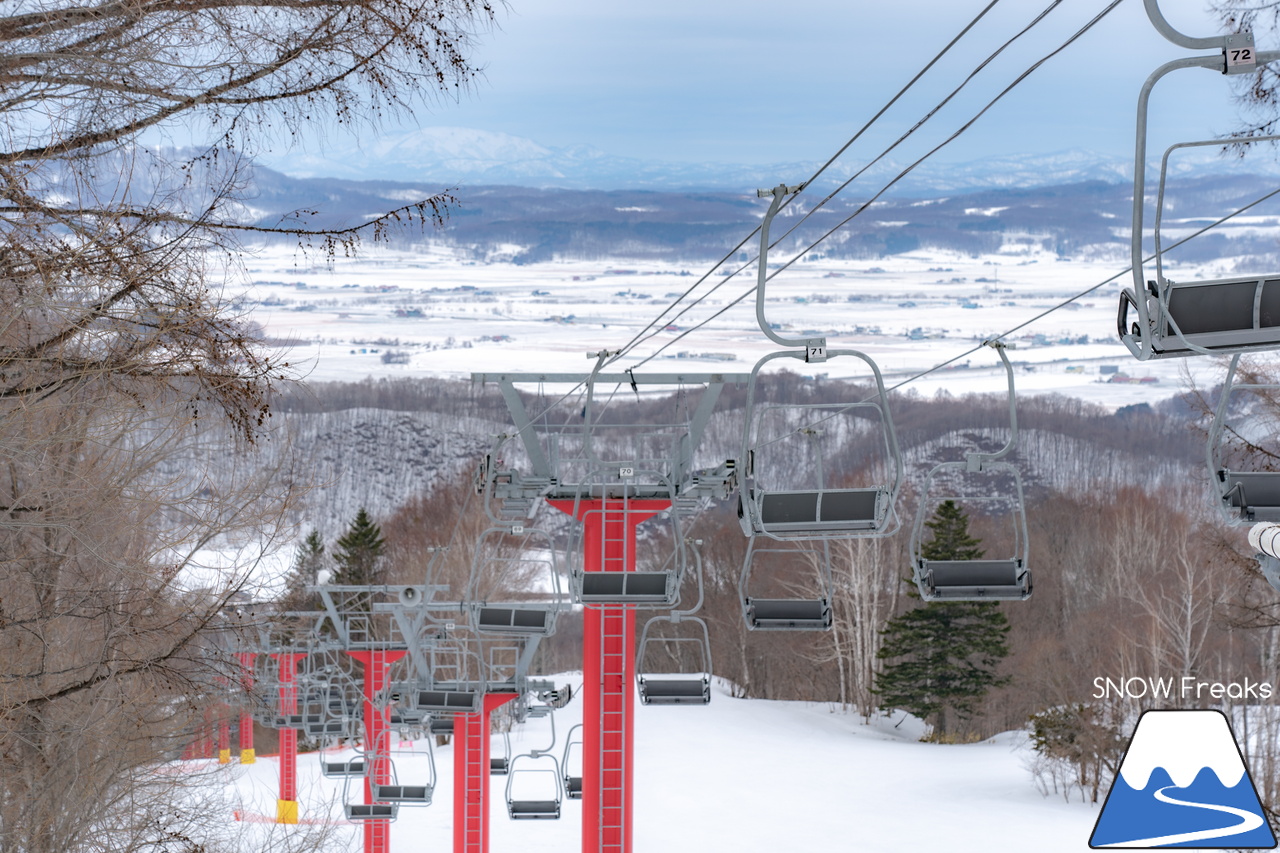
{"points": [[1182, 783]]}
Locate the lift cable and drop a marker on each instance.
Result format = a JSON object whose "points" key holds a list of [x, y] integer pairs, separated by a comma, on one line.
{"points": [[650, 329], [866, 205], [658, 321], [1057, 307]]}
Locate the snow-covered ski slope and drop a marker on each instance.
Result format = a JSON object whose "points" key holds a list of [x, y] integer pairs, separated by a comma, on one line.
{"points": [[745, 775]]}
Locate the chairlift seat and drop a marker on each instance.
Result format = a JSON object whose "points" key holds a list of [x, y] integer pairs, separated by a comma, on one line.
{"points": [[973, 580], [573, 787], [440, 726], [818, 512], [342, 768], [675, 689], [627, 587], [371, 811], [405, 720], [1226, 315], [498, 766], [402, 794], [326, 728], [447, 701], [513, 620], [1256, 494], [788, 614], [533, 809]]}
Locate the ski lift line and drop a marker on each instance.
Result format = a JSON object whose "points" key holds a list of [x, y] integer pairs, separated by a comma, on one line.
{"points": [[865, 206], [1044, 313], [658, 321], [922, 121], [642, 335]]}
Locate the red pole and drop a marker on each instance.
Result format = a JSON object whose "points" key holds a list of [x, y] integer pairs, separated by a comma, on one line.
{"points": [[471, 776], [608, 673], [287, 804], [247, 755], [377, 741]]}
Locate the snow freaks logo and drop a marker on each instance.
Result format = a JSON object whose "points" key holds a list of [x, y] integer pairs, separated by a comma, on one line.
{"points": [[1182, 783], [1185, 688]]}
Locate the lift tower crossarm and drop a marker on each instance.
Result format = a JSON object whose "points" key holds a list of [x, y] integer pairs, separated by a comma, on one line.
{"points": [[545, 480]]}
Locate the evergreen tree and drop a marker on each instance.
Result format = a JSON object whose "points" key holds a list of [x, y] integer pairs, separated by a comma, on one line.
{"points": [[358, 553], [943, 655], [308, 561]]}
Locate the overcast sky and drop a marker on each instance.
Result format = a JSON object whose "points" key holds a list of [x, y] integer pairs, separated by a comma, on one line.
{"points": [[763, 81]]}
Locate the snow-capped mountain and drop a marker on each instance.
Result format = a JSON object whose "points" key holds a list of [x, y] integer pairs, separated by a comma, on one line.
{"points": [[453, 155]]}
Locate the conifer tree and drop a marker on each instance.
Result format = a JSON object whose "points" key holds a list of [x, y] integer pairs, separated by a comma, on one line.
{"points": [[942, 656], [308, 561], [358, 553]]}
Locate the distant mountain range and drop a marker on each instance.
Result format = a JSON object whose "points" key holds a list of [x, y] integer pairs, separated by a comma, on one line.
{"points": [[527, 225], [463, 156]]}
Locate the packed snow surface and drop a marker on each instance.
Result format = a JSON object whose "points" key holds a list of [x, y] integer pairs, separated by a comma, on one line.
{"points": [[742, 775]]}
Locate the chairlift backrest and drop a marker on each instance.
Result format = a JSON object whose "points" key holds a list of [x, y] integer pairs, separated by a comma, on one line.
{"points": [[684, 687], [532, 559], [616, 583], [535, 800], [772, 613], [796, 500]]}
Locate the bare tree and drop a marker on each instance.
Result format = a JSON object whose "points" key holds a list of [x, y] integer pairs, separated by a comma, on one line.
{"points": [[123, 362]]}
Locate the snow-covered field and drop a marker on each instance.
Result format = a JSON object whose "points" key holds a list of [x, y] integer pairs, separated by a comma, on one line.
{"points": [[432, 313], [746, 775]]}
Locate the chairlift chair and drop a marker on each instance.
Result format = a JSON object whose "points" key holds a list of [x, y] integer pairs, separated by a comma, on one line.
{"points": [[360, 812], [1245, 497], [1178, 319], [544, 801], [690, 687], [440, 726], [808, 613], [685, 685], [788, 499], [796, 502], [572, 782], [445, 701], [534, 552], [498, 766], [658, 587], [353, 766], [999, 485], [405, 795], [454, 684]]}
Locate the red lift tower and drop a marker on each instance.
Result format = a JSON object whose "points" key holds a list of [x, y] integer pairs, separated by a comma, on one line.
{"points": [[611, 497]]}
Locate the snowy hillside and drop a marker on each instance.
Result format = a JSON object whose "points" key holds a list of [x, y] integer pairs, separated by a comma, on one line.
{"points": [[752, 776]]}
